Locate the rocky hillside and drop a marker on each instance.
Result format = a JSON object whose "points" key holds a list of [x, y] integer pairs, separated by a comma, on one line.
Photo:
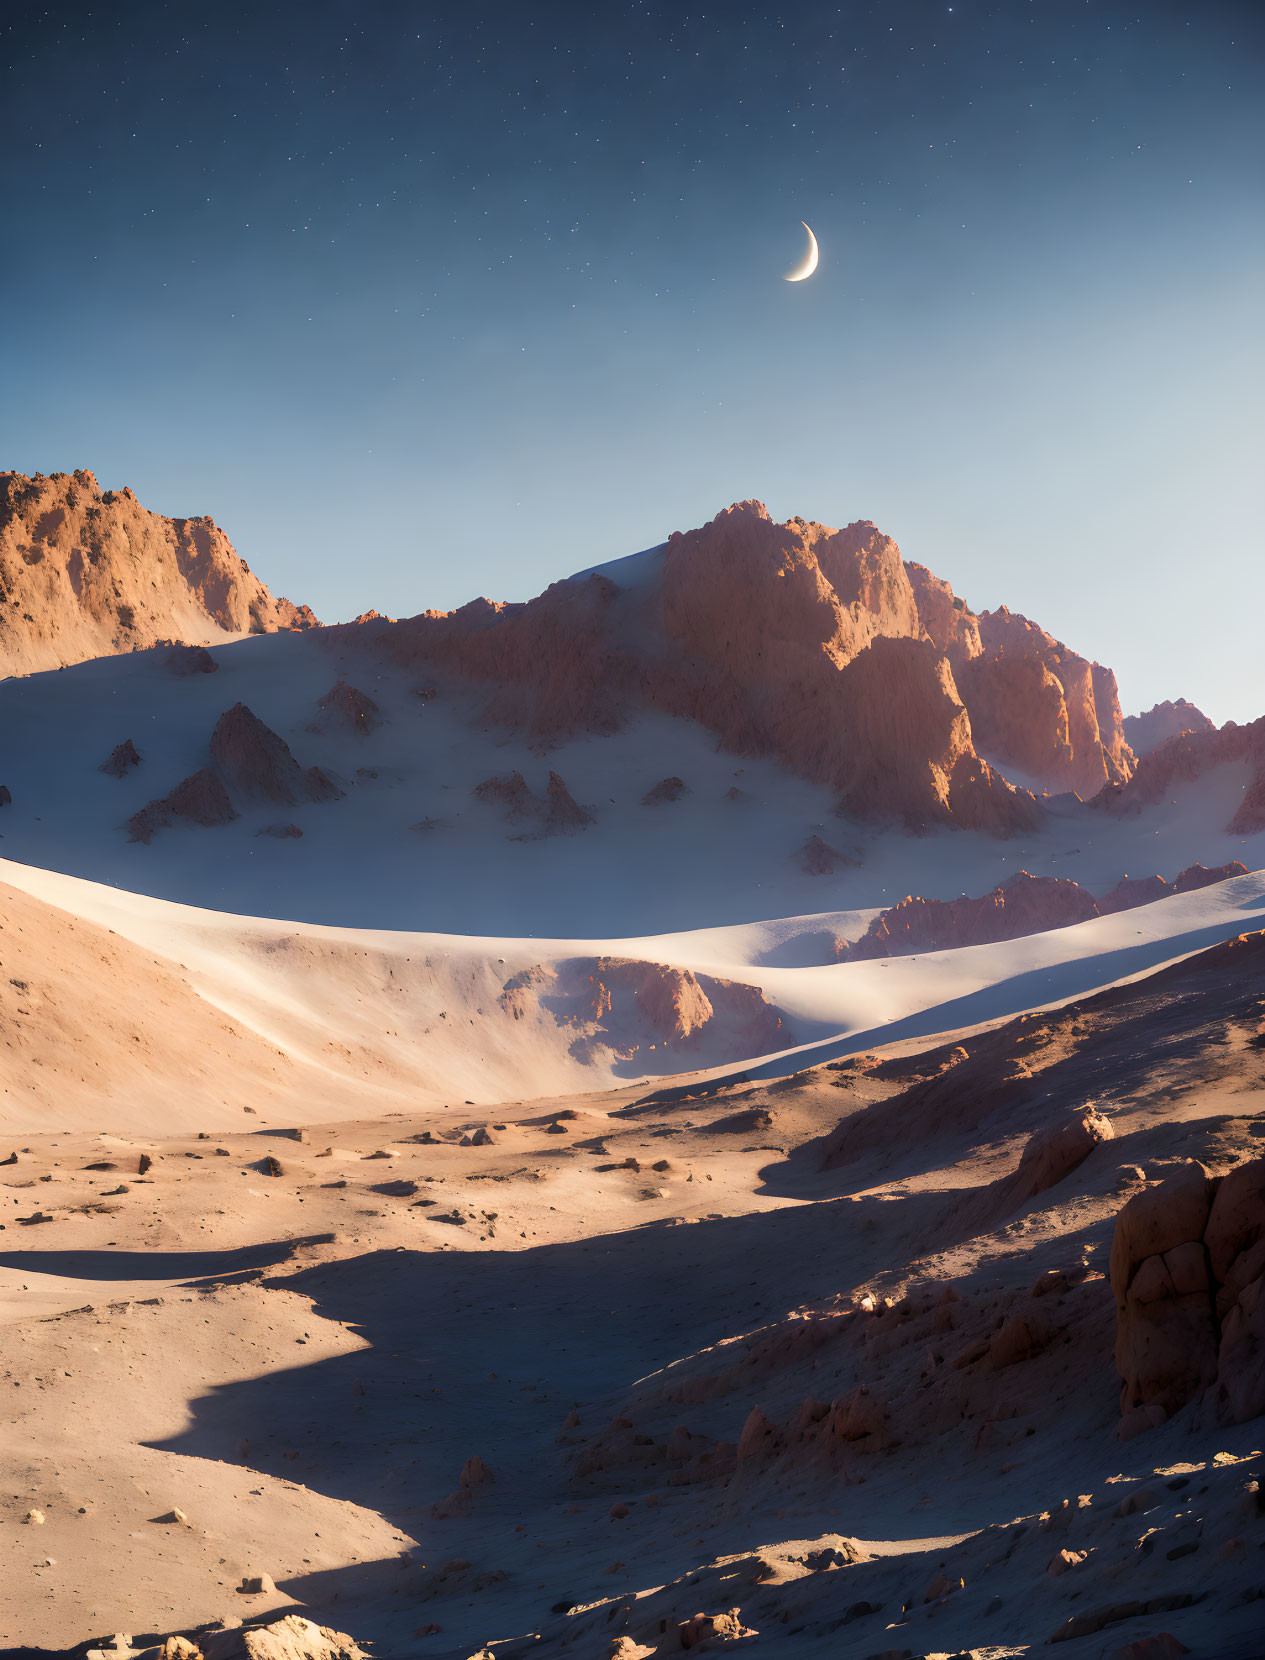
{"points": [[1166, 720], [90, 573], [820, 648], [1195, 756]]}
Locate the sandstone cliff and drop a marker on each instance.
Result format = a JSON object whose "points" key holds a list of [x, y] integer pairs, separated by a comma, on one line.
{"points": [[1039, 706], [89, 573]]}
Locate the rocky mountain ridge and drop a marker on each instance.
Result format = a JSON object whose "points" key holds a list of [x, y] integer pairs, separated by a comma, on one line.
{"points": [[86, 572], [822, 648]]}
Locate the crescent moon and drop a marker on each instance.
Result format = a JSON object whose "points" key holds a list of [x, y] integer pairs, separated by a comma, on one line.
{"points": [[810, 260]]}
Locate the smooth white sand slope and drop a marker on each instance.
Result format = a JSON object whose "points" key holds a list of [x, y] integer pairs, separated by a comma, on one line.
{"points": [[380, 1016]]}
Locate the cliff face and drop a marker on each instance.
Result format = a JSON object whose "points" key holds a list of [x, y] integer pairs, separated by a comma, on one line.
{"points": [[1039, 706], [804, 643], [90, 573]]}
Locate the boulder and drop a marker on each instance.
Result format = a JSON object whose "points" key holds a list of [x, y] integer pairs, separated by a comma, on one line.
{"points": [[475, 1473], [346, 709], [667, 789], [1188, 1273], [1163, 1646], [1169, 1214], [555, 813], [1019, 1338], [460, 1503], [121, 759], [1051, 1154], [759, 1437], [184, 661], [562, 811], [198, 799], [293, 1637], [817, 858], [706, 1630], [257, 1585], [1166, 1334], [1062, 1560], [255, 761], [857, 1416]]}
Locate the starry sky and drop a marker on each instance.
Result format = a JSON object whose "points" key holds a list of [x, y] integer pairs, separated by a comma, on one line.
{"points": [[422, 302]]}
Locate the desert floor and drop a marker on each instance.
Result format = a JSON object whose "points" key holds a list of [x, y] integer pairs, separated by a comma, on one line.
{"points": [[297, 1336]]}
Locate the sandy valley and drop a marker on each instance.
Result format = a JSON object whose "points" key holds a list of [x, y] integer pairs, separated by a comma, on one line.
{"points": [[615, 1175]]}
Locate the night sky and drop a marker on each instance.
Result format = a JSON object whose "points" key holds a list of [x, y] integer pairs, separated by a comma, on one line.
{"points": [[425, 302]]}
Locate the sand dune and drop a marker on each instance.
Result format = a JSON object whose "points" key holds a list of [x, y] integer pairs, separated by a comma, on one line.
{"points": [[206, 1012]]}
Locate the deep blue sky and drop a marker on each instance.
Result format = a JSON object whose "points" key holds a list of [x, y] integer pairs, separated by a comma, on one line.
{"points": [[421, 302]]}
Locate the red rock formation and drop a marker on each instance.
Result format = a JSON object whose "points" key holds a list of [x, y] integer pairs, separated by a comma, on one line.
{"points": [[254, 761], [509, 791], [819, 859], [199, 799], [793, 641], [667, 789], [1187, 759], [1188, 1273], [562, 811], [87, 573], [821, 649], [344, 708], [1049, 1157], [758, 1438], [475, 1473], [803, 643], [622, 1005], [550, 666], [1041, 707], [1053, 1153], [1131, 891], [121, 759], [1024, 904], [1019, 714], [185, 660], [557, 812], [1199, 876], [944, 617], [1148, 731]]}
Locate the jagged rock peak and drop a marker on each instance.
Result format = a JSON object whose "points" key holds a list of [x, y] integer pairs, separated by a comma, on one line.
{"points": [[821, 648], [1163, 721]]}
